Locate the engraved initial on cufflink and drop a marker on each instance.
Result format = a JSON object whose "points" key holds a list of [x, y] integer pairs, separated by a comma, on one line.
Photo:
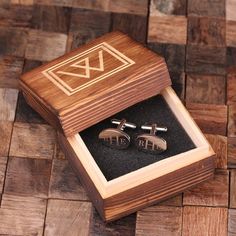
{"points": [[116, 137], [150, 142]]}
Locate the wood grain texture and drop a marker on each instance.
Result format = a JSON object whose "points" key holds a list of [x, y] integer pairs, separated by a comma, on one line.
{"points": [[13, 41], [58, 153], [230, 10], [3, 164], [232, 200], [64, 184], [232, 152], [210, 8], [67, 218], [231, 33], [210, 89], [133, 25], [45, 46], [211, 193], [10, 70], [174, 55], [84, 28], [25, 114], [8, 100], [159, 220], [126, 82], [5, 137], [232, 222], [138, 7], [51, 18], [232, 121], [169, 7], [211, 118], [122, 204], [220, 146], [32, 140], [167, 29], [203, 221], [173, 201], [205, 59], [27, 177], [206, 31], [231, 57], [22, 215], [122, 227], [231, 88], [15, 15]]}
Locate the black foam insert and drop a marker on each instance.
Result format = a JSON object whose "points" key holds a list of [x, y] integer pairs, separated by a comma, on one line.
{"points": [[114, 163]]}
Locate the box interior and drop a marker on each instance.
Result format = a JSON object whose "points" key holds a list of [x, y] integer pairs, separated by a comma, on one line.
{"points": [[115, 163]]}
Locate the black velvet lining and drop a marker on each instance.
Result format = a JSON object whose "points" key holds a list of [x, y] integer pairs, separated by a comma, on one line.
{"points": [[114, 163]]}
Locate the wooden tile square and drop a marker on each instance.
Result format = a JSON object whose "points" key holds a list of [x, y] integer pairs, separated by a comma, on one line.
{"points": [[231, 33], [174, 55], [84, 28], [210, 89], [26, 114], [16, 15], [205, 60], [232, 222], [207, 8], [30, 65], [3, 164], [10, 71], [45, 46], [27, 177], [159, 220], [167, 29], [230, 10], [22, 215], [206, 31], [211, 118], [231, 57], [58, 153], [67, 218], [210, 193], [173, 201], [178, 7], [232, 203], [5, 137], [122, 227], [32, 140], [128, 6], [232, 152], [178, 83], [64, 184], [8, 100], [202, 221], [51, 18], [133, 25], [232, 121], [13, 41], [220, 146], [231, 88]]}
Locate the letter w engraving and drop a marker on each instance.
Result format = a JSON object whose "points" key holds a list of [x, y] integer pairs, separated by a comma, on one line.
{"points": [[86, 66]]}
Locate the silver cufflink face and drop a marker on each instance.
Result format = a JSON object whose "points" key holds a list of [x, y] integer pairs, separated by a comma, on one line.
{"points": [[151, 143], [116, 137]]}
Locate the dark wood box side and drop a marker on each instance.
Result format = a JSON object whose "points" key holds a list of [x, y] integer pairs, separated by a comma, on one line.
{"points": [[158, 189], [84, 178]]}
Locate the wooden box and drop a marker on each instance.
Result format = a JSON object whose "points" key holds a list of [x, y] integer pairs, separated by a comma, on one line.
{"points": [[114, 76]]}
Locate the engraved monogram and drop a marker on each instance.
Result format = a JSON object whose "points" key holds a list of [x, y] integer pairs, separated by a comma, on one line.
{"points": [[86, 68]]}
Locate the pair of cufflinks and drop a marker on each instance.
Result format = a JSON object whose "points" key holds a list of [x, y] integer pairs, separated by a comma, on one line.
{"points": [[118, 139]]}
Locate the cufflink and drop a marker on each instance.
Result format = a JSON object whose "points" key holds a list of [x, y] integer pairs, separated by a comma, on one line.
{"points": [[151, 143], [116, 137]]}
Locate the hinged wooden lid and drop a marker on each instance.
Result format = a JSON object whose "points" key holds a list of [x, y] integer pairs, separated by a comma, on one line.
{"points": [[94, 82]]}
